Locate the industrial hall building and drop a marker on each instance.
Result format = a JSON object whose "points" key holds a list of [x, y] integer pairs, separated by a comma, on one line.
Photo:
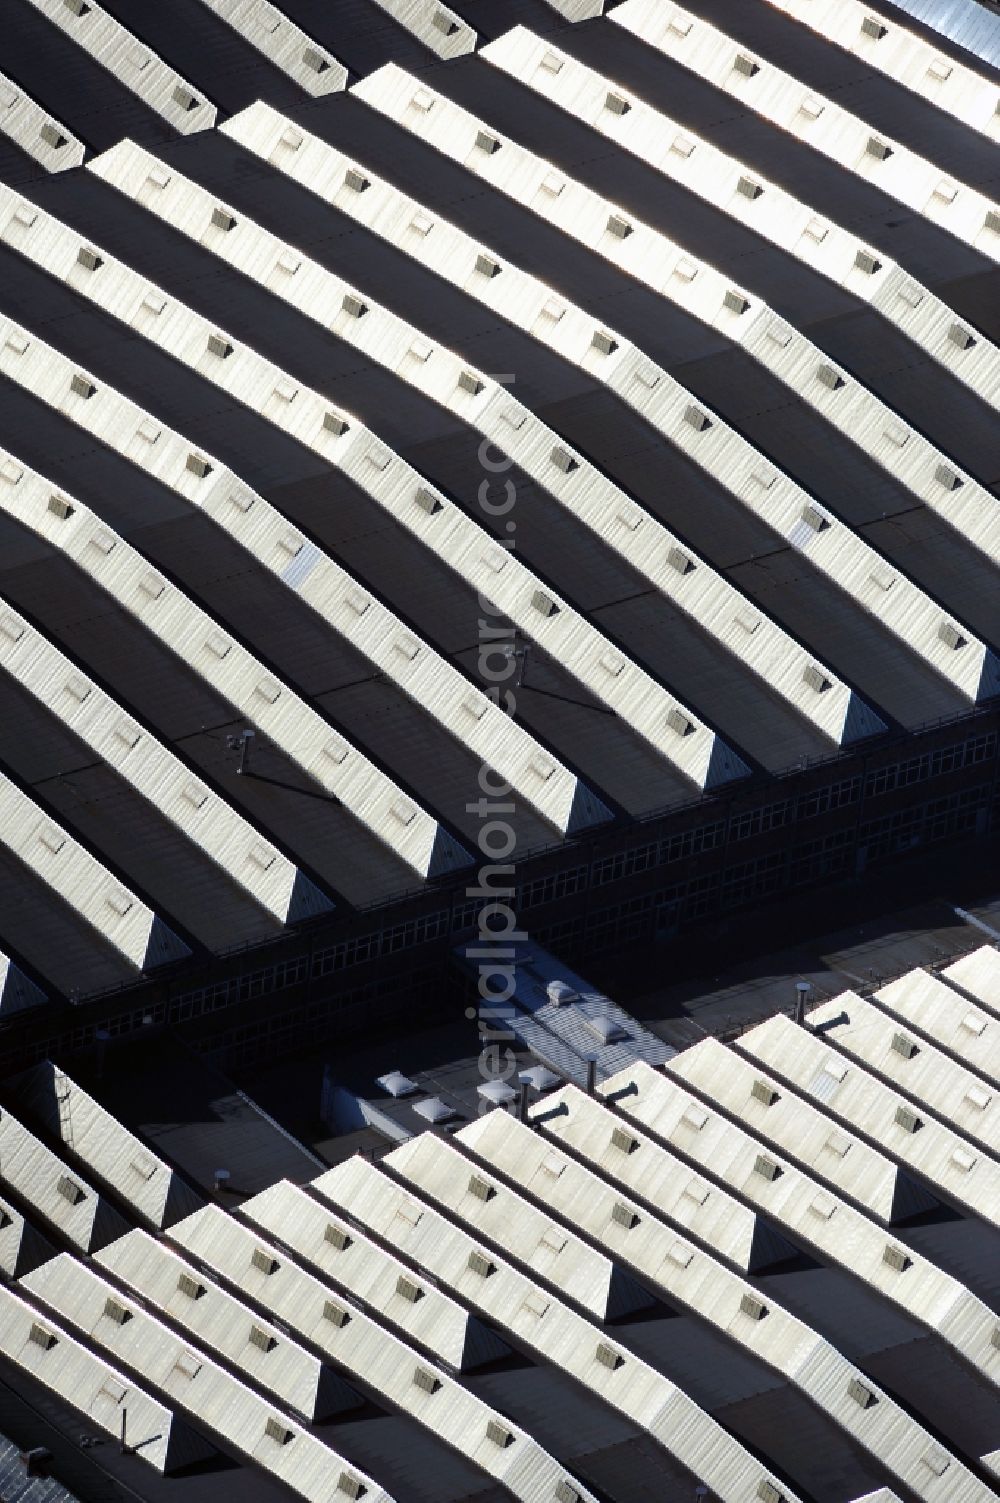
{"points": [[539, 445]]}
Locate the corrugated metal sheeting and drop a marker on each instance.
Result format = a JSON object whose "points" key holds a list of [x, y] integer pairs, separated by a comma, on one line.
{"points": [[645, 254], [531, 305], [933, 1009], [402, 349], [132, 62], [915, 1066], [192, 1381], [978, 975], [848, 1093], [117, 1159], [44, 138], [283, 43], [440, 28], [47, 1351], [699, 166], [64, 1201], [818, 1219], [861, 1173], [909, 59], [822, 125], [83, 883], [540, 1322], [341, 1328], [696, 1281]]}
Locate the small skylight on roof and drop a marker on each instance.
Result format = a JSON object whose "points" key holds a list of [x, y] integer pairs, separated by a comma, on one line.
{"points": [[497, 1091], [397, 1084], [606, 1030], [540, 1078], [435, 1110]]}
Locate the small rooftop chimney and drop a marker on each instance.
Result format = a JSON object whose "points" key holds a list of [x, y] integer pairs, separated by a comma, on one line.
{"points": [[802, 990], [522, 1105]]}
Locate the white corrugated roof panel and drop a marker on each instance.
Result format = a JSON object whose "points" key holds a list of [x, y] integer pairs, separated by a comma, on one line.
{"points": [[851, 1095], [443, 377], [341, 602], [283, 43], [194, 1382], [436, 25], [916, 1067], [343, 1331], [965, 1032], [17, 992], [904, 610], [135, 66], [172, 616], [760, 1104], [40, 135], [219, 1321], [57, 1194], [748, 1316], [523, 1231], [826, 126], [817, 1218], [737, 1232], [577, 10], [54, 1358], [703, 169], [142, 760], [121, 918], [978, 974], [370, 1274], [577, 211], [656, 553], [113, 1155], [424, 674], [905, 56], [540, 1321]]}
